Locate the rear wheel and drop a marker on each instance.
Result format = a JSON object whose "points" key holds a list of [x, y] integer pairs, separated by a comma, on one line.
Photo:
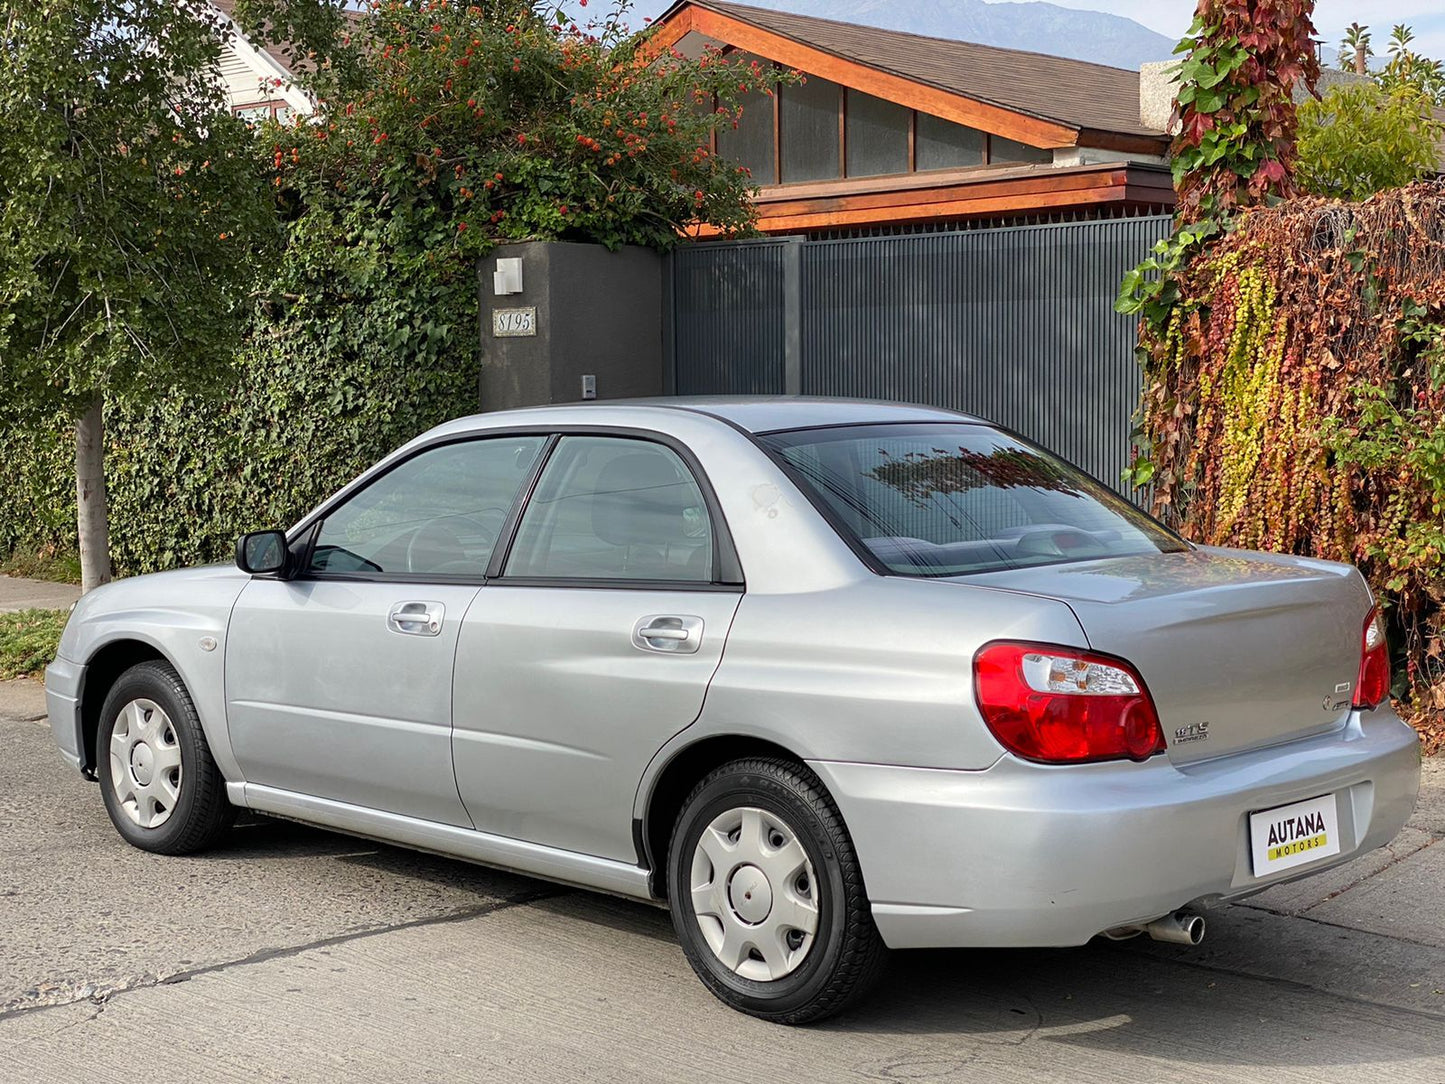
{"points": [[767, 895], [161, 786]]}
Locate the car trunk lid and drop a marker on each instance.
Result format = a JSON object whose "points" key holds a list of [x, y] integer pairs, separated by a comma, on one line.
{"points": [[1239, 650]]}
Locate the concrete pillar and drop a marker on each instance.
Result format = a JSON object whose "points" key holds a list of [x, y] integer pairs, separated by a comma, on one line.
{"points": [[582, 312]]}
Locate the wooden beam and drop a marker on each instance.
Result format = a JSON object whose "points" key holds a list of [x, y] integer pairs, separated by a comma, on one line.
{"points": [[972, 178], [933, 212], [665, 35], [914, 198], [1153, 197], [1019, 195], [814, 61], [777, 100], [1124, 143]]}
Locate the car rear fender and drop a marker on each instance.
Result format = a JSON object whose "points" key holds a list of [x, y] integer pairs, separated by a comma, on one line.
{"points": [[879, 671]]}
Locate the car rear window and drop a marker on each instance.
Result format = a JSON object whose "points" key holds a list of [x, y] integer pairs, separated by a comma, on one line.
{"points": [[951, 499]]}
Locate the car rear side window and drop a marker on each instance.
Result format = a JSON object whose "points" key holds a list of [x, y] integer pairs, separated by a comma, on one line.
{"points": [[950, 499], [614, 508]]}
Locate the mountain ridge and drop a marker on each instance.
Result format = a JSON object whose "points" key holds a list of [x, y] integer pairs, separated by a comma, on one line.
{"points": [[1030, 25]]}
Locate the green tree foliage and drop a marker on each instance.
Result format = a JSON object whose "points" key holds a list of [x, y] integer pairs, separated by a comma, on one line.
{"points": [[442, 130], [1359, 140], [469, 125], [130, 216], [128, 200], [1355, 48], [1409, 69]]}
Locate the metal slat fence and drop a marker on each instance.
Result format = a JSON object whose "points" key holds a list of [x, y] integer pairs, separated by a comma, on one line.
{"points": [[1015, 324]]}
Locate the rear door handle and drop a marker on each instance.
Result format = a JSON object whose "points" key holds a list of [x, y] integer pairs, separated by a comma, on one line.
{"points": [[669, 634], [416, 618]]}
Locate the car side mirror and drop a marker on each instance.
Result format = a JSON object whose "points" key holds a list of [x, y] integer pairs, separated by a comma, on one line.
{"points": [[262, 553]]}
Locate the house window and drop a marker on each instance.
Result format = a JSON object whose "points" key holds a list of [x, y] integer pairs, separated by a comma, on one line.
{"points": [[1006, 150], [809, 131], [751, 144], [817, 130], [277, 110], [876, 135], [941, 144]]}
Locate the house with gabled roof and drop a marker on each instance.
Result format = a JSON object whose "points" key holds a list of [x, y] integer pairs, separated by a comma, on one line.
{"points": [[259, 78], [893, 129]]}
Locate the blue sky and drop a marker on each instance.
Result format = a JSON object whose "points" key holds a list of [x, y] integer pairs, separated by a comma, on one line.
{"points": [[1172, 17], [1426, 17]]}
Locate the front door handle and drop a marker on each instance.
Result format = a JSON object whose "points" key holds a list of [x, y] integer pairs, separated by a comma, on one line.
{"points": [[669, 634], [416, 618]]}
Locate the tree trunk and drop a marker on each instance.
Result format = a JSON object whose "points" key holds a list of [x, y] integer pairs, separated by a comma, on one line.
{"points": [[1362, 66], [92, 517]]}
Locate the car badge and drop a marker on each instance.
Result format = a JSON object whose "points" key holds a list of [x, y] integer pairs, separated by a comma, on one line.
{"points": [[1192, 732]]}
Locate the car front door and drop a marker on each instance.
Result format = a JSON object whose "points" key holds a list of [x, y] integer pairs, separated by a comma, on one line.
{"points": [[339, 680], [594, 646]]}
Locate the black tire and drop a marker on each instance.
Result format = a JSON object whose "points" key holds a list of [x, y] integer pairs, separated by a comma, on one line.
{"points": [[201, 812], [847, 955]]}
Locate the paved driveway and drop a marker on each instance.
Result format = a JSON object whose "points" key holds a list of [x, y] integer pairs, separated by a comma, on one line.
{"points": [[19, 594], [299, 955]]}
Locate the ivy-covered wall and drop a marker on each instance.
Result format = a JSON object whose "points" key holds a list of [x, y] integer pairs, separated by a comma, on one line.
{"points": [[317, 395]]}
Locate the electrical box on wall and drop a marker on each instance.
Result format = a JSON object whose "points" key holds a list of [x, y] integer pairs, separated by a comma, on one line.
{"points": [[589, 387]]}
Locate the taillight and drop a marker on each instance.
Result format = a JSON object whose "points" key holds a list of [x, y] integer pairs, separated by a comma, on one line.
{"points": [[1060, 705], [1373, 685]]}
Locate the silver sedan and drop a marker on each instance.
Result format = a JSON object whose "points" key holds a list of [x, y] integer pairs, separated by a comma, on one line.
{"points": [[822, 676]]}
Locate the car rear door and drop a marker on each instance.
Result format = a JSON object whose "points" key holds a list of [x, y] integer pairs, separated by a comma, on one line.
{"points": [[594, 645], [339, 681]]}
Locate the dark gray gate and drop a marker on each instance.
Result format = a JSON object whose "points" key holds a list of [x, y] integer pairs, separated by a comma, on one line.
{"points": [[1016, 324]]}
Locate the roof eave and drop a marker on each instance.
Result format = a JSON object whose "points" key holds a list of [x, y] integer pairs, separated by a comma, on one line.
{"points": [[1016, 123], [267, 65]]}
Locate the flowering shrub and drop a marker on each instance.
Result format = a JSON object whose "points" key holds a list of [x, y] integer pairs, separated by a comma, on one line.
{"points": [[465, 126]]}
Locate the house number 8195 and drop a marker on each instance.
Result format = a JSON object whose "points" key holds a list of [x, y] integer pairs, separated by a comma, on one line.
{"points": [[513, 322]]}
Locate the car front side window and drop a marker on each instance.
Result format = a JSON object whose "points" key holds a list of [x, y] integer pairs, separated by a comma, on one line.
{"points": [[614, 508], [438, 513]]}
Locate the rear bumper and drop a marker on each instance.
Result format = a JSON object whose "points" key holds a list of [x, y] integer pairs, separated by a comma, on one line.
{"points": [[1031, 855], [63, 680]]}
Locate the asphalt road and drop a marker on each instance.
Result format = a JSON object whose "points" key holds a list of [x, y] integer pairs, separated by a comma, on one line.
{"points": [[298, 955]]}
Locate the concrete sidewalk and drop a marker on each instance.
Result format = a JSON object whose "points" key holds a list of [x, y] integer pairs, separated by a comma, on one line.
{"points": [[18, 594]]}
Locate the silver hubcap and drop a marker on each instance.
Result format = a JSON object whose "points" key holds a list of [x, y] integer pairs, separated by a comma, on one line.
{"points": [[145, 763], [754, 894]]}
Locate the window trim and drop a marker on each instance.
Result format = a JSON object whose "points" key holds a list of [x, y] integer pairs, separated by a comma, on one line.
{"points": [[727, 571]]}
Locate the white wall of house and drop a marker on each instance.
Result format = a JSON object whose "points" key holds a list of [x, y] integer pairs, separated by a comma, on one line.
{"points": [[255, 80]]}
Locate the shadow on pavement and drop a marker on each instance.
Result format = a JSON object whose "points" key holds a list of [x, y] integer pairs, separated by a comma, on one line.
{"points": [[957, 1007]]}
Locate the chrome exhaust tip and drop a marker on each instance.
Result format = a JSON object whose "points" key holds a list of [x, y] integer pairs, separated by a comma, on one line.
{"points": [[1180, 928]]}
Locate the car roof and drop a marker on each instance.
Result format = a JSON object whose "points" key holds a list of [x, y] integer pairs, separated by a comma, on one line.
{"points": [[757, 414]]}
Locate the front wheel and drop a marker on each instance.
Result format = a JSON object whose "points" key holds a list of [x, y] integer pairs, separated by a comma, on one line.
{"points": [[767, 895], [161, 786]]}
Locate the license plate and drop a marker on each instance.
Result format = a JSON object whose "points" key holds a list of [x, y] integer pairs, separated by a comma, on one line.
{"points": [[1291, 835]]}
